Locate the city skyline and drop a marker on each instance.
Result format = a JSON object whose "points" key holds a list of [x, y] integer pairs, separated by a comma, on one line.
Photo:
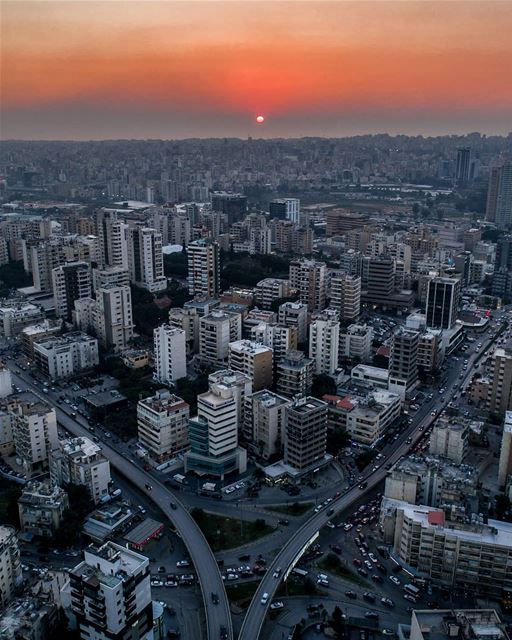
{"points": [[87, 70]]}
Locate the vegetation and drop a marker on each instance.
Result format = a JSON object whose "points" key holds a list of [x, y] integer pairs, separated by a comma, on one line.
{"points": [[295, 509], [226, 533], [245, 270], [189, 389], [337, 440], [80, 504], [133, 383], [9, 494], [299, 587], [176, 264], [13, 276], [332, 563], [242, 593], [323, 385]]}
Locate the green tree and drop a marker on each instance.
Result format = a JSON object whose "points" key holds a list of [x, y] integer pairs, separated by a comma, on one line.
{"points": [[338, 622]]}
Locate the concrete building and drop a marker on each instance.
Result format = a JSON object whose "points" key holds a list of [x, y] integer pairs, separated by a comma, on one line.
{"points": [[16, 314], [403, 363], [463, 554], [162, 424], [295, 314], [67, 355], [111, 594], [36, 333], [502, 275], [373, 376], [7, 409], [346, 296], [442, 302], [309, 278], [170, 354], [113, 316], [213, 434], [430, 350], [365, 418], [464, 624], [253, 359], [324, 336], [10, 565], [188, 321], [378, 279], [110, 276], [305, 433], [203, 268], [449, 438], [355, 343], [269, 290], [434, 482], [80, 461], [5, 381], [145, 258], [237, 384], [264, 422], [499, 399], [279, 337], [216, 331], [505, 466], [41, 507], [294, 373], [70, 282], [34, 430], [285, 209]]}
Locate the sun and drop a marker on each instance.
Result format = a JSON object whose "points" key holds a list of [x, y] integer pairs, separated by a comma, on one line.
{"points": [[260, 119]]}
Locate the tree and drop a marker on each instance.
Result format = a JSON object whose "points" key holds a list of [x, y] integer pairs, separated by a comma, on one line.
{"points": [[260, 524], [80, 504], [323, 385], [338, 622], [337, 439]]}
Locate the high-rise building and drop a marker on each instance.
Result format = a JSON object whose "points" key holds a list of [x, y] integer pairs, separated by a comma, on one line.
{"points": [[203, 268], [499, 399], [492, 193], [162, 423], [110, 276], [188, 320], [238, 384], [34, 430], [264, 422], [442, 302], [234, 205], [499, 198], [113, 319], [305, 433], [170, 354], [216, 331], [71, 281], [294, 374], [449, 439], [254, 359], [295, 314], [113, 239], [285, 209], [145, 258], [279, 337], [403, 363], [10, 565], [213, 434], [67, 355], [324, 340], [463, 167], [378, 278], [505, 465], [339, 221], [111, 594], [356, 343], [269, 290], [308, 277], [502, 276], [346, 296], [80, 461], [41, 508]]}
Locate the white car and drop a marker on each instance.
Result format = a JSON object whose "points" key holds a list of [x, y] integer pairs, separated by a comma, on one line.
{"points": [[277, 605], [183, 563], [230, 490], [264, 598], [395, 580]]}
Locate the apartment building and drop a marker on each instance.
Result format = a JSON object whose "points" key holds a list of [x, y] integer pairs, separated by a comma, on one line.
{"points": [[70, 282], [368, 375], [162, 424], [188, 320], [16, 314], [355, 343], [295, 314], [278, 337], [41, 508], [236, 384], [216, 331], [264, 422], [36, 333], [170, 354], [499, 399], [113, 316], [464, 624], [449, 438], [324, 335], [309, 278], [403, 363], [305, 433], [442, 304], [269, 290], [253, 359], [80, 461], [65, 356], [10, 565], [203, 268], [145, 258], [116, 276], [34, 430], [346, 296], [294, 374]]}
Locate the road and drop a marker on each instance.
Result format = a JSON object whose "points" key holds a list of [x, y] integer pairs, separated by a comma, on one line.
{"points": [[257, 610], [201, 555]]}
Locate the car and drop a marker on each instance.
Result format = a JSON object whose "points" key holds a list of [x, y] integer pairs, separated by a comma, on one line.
{"points": [[183, 563], [351, 594], [170, 583], [407, 596], [394, 580], [162, 569], [387, 632], [368, 565], [157, 583], [277, 605], [362, 573], [367, 595], [323, 582], [372, 558], [264, 598], [330, 525], [357, 562], [277, 573], [371, 615], [215, 598], [284, 522], [387, 602], [223, 633], [173, 506], [377, 578]]}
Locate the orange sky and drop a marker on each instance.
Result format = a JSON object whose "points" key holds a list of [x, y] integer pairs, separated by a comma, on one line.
{"points": [[211, 66]]}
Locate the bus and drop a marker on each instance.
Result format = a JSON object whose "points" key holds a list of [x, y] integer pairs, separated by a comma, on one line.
{"points": [[300, 572], [412, 590]]}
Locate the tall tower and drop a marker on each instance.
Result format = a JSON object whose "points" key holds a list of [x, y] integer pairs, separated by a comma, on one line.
{"points": [[203, 269], [442, 302], [462, 171], [403, 364], [71, 281]]}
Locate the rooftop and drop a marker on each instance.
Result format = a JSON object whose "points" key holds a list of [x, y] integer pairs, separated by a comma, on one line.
{"points": [[477, 624]]}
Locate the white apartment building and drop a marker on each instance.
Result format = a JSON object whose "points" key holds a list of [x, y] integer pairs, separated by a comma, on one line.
{"points": [[216, 331], [264, 422], [346, 296], [309, 278], [5, 381], [17, 314], [269, 290], [170, 354], [34, 430], [324, 336], [80, 461], [41, 508], [449, 438], [10, 565], [162, 424], [117, 276], [111, 594], [295, 314], [188, 320], [67, 355], [375, 376], [356, 342], [253, 359], [238, 384], [70, 282], [145, 258], [203, 268], [279, 337], [113, 318]]}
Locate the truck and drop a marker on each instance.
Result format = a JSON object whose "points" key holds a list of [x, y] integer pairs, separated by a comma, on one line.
{"points": [[179, 478], [411, 590]]}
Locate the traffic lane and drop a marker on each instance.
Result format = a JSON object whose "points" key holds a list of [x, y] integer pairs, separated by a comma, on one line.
{"points": [[205, 563]]}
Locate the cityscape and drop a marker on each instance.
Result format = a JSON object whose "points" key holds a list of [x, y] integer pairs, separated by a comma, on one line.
{"points": [[255, 321]]}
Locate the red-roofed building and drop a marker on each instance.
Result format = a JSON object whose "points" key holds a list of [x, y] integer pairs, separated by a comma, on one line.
{"points": [[436, 517]]}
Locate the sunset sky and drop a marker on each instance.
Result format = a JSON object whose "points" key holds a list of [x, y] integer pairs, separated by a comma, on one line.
{"points": [[81, 69]]}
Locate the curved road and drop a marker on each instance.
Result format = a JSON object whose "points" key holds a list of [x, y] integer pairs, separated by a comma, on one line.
{"points": [[204, 561], [256, 613]]}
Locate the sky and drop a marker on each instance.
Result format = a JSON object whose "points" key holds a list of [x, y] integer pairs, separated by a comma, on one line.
{"points": [[82, 69]]}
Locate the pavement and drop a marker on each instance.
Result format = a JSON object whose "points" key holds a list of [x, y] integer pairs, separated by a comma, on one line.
{"points": [[200, 553]]}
